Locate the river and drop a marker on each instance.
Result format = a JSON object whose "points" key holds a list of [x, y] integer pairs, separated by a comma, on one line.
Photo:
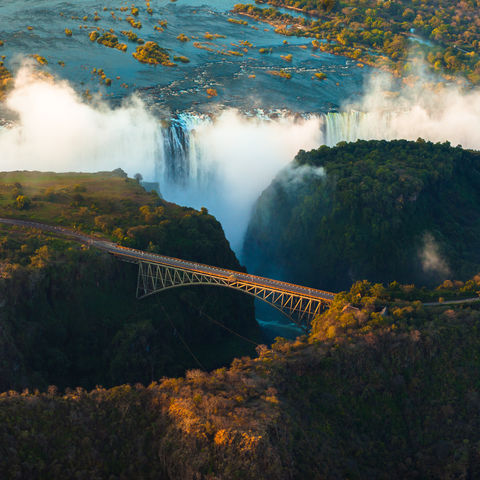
{"points": [[181, 88]]}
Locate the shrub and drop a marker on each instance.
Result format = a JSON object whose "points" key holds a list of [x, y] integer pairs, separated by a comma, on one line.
{"points": [[280, 73], [22, 202], [153, 54], [41, 60], [181, 58]]}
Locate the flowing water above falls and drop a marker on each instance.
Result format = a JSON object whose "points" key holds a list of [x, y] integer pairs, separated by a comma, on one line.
{"points": [[230, 63]]}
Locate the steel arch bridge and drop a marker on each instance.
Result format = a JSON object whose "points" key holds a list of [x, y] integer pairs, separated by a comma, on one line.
{"points": [[299, 306]]}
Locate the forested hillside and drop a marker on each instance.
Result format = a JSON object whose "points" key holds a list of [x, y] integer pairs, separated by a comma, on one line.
{"points": [[69, 313], [382, 388], [385, 211]]}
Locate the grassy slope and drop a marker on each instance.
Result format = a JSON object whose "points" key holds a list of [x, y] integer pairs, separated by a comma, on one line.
{"points": [[53, 194]]}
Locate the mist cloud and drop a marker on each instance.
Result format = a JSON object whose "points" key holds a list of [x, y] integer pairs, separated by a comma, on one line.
{"points": [[295, 177], [434, 112], [243, 155], [57, 131], [431, 259]]}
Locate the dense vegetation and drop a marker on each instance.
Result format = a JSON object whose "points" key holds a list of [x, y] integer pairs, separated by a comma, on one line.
{"points": [[6, 81], [380, 210], [109, 40], [69, 313], [379, 33], [382, 388], [151, 53]]}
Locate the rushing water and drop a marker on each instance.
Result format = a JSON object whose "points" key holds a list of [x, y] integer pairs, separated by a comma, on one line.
{"points": [[181, 88]]}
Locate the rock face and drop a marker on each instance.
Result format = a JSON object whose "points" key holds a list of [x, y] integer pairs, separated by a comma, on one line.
{"points": [[378, 210]]}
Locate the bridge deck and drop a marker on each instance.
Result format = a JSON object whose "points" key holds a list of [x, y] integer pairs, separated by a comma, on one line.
{"points": [[138, 256]]}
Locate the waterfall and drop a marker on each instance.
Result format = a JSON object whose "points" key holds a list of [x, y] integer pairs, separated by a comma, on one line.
{"points": [[354, 125], [186, 161], [225, 163], [179, 156]]}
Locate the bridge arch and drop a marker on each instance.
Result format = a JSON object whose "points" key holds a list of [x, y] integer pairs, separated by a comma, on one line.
{"points": [[299, 309]]}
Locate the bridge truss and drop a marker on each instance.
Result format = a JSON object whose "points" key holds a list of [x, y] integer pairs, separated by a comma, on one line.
{"points": [[300, 309]]}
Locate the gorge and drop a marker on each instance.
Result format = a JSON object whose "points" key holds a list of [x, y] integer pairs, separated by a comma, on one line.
{"points": [[264, 141]]}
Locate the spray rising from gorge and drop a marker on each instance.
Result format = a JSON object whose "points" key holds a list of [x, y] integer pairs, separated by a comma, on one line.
{"points": [[222, 163]]}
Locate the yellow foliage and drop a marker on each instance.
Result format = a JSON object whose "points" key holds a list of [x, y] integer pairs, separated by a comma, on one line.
{"points": [[213, 36], [183, 414], [272, 399], [222, 437], [280, 73], [153, 54], [41, 257], [202, 47], [249, 442], [183, 38], [134, 23], [41, 60], [238, 22], [331, 331]]}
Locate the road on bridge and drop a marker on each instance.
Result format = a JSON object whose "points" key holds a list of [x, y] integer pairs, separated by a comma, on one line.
{"points": [[139, 255]]}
